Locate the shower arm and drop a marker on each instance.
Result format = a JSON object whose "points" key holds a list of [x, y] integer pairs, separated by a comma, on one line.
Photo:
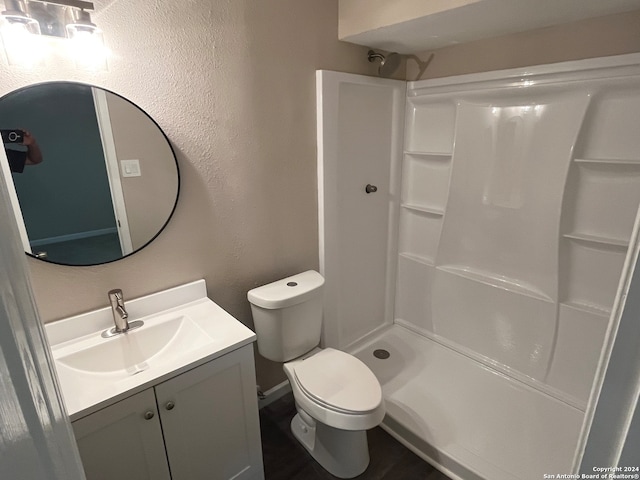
{"points": [[373, 56]]}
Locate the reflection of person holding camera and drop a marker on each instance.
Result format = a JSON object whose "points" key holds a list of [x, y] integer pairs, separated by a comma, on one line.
{"points": [[19, 158]]}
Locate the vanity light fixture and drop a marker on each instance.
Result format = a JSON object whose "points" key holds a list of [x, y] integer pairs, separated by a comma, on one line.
{"points": [[25, 23]]}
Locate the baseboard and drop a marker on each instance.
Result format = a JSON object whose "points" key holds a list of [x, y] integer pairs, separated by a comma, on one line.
{"points": [[274, 394], [72, 236]]}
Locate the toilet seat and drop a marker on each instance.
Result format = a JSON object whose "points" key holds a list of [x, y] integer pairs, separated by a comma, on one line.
{"points": [[325, 411], [339, 381]]}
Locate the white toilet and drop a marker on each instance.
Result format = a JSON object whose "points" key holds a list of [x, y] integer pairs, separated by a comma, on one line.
{"points": [[337, 397]]}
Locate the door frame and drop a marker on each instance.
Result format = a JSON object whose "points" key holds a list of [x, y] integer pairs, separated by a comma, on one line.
{"points": [[113, 170], [7, 180]]}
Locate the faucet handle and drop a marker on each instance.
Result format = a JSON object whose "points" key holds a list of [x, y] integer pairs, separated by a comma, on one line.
{"points": [[116, 292], [120, 315]]}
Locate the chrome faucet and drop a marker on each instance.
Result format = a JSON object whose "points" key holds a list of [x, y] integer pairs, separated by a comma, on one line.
{"points": [[120, 315]]}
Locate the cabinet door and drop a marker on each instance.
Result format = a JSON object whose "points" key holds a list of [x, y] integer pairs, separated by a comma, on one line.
{"points": [[210, 420], [121, 442]]}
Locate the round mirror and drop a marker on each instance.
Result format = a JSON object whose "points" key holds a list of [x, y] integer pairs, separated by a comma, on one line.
{"points": [[96, 178]]}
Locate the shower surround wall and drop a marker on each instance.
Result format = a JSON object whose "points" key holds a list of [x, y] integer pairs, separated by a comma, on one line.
{"points": [[513, 205]]}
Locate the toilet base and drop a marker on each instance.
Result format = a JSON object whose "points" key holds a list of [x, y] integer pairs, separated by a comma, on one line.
{"points": [[342, 453]]}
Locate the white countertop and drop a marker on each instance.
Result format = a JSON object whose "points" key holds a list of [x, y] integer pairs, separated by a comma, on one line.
{"points": [[85, 391]]}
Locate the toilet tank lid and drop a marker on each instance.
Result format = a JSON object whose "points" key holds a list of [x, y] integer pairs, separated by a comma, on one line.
{"points": [[288, 291]]}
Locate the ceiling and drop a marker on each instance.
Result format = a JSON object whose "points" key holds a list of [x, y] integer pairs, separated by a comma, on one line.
{"points": [[483, 19]]}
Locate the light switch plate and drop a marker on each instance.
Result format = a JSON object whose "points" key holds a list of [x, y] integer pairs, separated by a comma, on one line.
{"points": [[130, 168]]}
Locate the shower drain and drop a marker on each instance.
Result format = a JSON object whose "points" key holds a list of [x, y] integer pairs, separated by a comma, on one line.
{"points": [[381, 353]]}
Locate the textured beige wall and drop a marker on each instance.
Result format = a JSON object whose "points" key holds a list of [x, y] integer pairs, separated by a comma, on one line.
{"points": [[232, 84], [357, 16], [597, 37]]}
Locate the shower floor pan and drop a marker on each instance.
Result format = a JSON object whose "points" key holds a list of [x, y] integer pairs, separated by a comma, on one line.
{"points": [[466, 419]]}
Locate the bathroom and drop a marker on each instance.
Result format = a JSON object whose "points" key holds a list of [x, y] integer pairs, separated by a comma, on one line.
{"points": [[232, 85]]}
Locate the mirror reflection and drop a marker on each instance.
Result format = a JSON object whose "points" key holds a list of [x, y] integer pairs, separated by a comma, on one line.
{"points": [[95, 177]]}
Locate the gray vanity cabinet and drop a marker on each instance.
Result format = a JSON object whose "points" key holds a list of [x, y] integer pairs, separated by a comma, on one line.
{"points": [[201, 424]]}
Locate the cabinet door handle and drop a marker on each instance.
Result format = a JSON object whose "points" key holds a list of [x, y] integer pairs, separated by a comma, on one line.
{"points": [[148, 415], [170, 405], [370, 188]]}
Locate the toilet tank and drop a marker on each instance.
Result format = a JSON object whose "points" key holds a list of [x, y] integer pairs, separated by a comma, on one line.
{"points": [[287, 316]]}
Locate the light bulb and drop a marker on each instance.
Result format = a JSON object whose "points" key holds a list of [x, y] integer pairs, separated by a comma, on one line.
{"points": [[21, 39], [87, 46]]}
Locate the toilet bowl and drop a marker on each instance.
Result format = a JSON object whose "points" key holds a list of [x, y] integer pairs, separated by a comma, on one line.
{"points": [[337, 389], [337, 397]]}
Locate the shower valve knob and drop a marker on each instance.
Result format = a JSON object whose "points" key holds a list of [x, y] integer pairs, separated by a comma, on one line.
{"points": [[370, 188]]}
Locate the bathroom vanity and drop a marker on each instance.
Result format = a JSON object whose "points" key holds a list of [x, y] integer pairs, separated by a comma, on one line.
{"points": [[174, 399]]}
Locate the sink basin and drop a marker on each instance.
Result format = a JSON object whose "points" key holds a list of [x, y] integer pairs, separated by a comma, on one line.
{"points": [[182, 329], [133, 352]]}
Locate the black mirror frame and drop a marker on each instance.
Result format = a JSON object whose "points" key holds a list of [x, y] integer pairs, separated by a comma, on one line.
{"points": [[164, 135]]}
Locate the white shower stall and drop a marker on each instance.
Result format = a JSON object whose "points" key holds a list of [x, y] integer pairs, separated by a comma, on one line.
{"points": [[488, 260]]}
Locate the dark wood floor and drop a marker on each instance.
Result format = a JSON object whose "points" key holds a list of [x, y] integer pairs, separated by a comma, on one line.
{"points": [[286, 459]]}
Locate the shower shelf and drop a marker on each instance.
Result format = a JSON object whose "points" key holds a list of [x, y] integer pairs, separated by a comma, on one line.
{"points": [[417, 258], [497, 281], [441, 155], [420, 208], [589, 308], [598, 240], [608, 161]]}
